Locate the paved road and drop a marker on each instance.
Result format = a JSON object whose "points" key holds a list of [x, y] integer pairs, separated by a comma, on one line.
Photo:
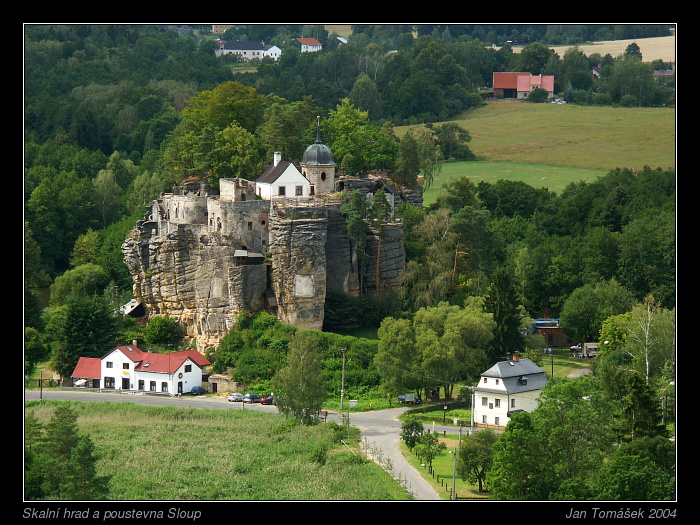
{"points": [[381, 429]]}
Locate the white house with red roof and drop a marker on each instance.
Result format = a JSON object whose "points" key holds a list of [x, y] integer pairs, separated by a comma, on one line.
{"points": [[129, 368], [309, 45]]}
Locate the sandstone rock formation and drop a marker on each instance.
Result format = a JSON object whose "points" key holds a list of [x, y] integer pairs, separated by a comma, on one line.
{"points": [[202, 257]]}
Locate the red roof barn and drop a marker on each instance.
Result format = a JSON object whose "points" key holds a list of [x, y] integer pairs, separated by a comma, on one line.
{"points": [[519, 85]]}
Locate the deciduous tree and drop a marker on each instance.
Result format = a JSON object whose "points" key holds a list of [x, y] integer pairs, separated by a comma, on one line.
{"points": [[300, 383]]}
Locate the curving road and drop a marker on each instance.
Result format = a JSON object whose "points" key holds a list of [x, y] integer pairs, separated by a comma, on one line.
{"points": [[381, 429]]}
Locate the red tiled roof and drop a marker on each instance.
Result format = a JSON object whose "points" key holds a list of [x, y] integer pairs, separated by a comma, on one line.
{"points": [[169, 363], [309, 41], [526, 82], [506, 80], [87, 368], [522, 81]]}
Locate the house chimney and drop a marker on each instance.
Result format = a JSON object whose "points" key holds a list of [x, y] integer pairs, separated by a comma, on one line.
{"points": [[277, 158], [134, 341], [516, 357]]}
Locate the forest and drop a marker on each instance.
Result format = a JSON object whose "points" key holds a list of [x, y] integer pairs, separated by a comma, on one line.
{"points": [[115, 114]]}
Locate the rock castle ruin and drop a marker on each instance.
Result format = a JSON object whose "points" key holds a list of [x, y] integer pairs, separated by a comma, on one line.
{"points": [[278, 243]]}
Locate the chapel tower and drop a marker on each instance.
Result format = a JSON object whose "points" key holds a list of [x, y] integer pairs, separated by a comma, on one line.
{"points": [[318, 166]]}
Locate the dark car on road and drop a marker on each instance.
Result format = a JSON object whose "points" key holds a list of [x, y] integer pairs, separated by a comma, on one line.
{"points": [[251, 398], [267, 400], [197, 390]]}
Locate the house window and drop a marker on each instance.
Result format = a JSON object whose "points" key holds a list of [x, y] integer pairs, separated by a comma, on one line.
{"points": [[125, 366], [497, 402], [484, 401], [110, 364], [188, 368], [512, 403], [153, 386], [486, 380], [109, 382], [142, 384], [164, 386], [281, 191], [299, 191], [497, 421], [483, 419], [496, 381]]}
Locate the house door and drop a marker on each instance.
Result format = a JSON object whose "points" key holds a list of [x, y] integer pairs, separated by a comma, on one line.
{"points": [[125, 383], [179, 387]]}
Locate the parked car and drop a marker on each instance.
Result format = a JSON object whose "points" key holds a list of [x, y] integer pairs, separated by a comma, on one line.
{"points": [[197, 390], [267, 400], [234, 396], [251, 398]]}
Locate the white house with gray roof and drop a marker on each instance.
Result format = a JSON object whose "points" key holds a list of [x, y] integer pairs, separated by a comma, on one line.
{"points": [[282, 180], [505, 388]]}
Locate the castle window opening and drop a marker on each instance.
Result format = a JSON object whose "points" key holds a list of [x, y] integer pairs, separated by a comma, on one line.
{"points": [[250, 226], [323, 175]]}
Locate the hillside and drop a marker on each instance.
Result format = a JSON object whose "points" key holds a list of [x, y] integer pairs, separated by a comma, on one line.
{"points": [[585, 136], [656, 48]]}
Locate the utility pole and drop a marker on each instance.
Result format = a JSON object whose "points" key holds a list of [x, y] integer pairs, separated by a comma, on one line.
{"points": [[342, 380]]}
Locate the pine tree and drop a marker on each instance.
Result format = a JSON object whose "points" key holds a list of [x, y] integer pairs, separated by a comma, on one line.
{"points": [[67, 461], [502, 301]]}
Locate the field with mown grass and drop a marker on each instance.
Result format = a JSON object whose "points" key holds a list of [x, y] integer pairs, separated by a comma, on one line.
{"points": [[174, 453], [551, 145]]}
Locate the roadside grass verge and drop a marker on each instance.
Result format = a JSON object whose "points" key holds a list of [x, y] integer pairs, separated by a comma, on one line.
{"points": [[441, 475], [174, 453]]}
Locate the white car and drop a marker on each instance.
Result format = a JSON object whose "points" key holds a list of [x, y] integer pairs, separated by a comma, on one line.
{"points": [[234, 396]]}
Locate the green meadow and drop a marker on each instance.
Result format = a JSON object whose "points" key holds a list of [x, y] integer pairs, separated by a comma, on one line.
{"points": [[174, 453], [550, 176], [551, 145]]}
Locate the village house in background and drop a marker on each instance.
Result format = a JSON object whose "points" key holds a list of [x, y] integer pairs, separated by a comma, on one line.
{"points": [[505, 388], [520, 85], [309, 45], [248, 50]]}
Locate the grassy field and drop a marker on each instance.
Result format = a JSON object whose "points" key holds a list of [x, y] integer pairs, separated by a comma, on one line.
{"points": [[550, 176], [655, 48], [551, 145], [171, 453]]}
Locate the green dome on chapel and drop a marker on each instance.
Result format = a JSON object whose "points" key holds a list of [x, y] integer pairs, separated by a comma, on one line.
{"points": [[318, 154]]}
